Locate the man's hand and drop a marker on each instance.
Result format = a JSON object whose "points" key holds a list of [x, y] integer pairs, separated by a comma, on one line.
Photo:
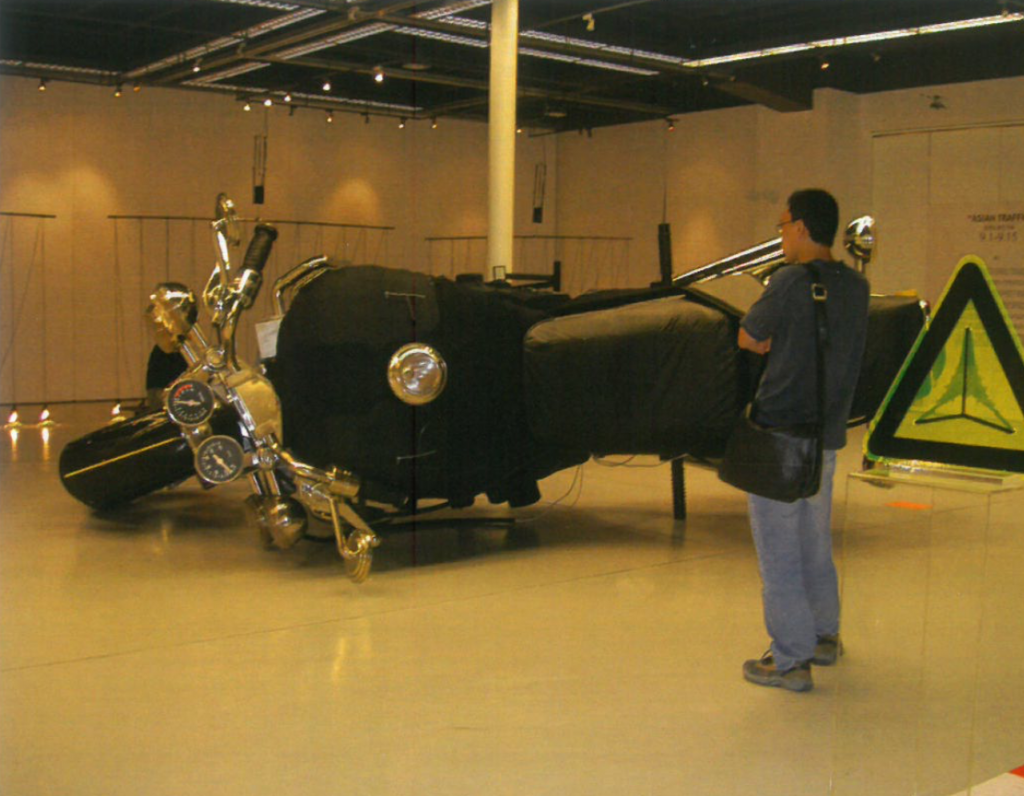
{"points": [[750, 344]]}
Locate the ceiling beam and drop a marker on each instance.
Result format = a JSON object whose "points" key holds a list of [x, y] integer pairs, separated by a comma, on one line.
{"points": [[563, 97]]}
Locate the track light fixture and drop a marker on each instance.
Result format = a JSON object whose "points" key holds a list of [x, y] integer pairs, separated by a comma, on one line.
{"points": [[288, 96], [137, 87], [44, 415], [42, 84], [378, 74], [115, 410], [330, 117], [433, 123], [117, 91], [519, 131], [247, 106], [671, 125], [198, 65], [326, 86], [268, 102], [825, 64], [401, 124], [12, 418]]}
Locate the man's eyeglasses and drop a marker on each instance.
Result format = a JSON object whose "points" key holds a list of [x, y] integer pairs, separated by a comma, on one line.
{"points": [[781, 224]]}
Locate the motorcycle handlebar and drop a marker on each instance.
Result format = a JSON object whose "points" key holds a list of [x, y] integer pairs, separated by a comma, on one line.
{"points": [[259, 248]]}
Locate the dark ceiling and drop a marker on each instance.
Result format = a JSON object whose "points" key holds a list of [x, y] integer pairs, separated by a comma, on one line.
{"points": [[582, 63]]}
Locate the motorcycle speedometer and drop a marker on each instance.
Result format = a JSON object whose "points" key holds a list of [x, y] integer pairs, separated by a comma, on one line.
{"points": [[190, 402], [219, 459]]}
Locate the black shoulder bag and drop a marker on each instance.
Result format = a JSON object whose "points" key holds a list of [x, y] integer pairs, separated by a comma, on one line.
{"points": [[782, 462]]}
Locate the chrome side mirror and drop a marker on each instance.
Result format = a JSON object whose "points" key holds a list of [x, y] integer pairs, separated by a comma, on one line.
{"points": [[859, 240], [172, 313]]}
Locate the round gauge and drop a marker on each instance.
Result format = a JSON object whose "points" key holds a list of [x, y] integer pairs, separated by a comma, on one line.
{"points": [[190, 402], [219, 459]]}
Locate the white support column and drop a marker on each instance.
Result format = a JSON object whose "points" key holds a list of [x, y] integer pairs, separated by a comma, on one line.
{"points": [[502, 151]]}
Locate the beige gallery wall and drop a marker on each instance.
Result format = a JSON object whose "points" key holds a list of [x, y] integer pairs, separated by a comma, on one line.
{"points": [[72, 288], [719, 179]]}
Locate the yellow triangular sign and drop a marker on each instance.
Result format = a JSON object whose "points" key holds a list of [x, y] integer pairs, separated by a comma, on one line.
{"points": [[959, 398]]}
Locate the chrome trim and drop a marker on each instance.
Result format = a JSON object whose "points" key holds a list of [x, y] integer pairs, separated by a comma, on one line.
{"points": [[122, 457], [760, 261], [297, 278], [763, 259]]}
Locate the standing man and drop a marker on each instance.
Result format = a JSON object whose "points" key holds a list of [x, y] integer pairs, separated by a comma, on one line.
{"points": [[794, 540]]}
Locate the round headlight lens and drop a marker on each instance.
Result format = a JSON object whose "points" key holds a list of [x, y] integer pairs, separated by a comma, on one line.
{"points": [[417, 373]]}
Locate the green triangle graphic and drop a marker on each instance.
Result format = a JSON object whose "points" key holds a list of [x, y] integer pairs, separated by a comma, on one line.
{"points": [[959, 398]]}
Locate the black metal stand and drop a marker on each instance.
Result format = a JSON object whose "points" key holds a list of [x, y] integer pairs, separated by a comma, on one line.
{"points": [[678, 490]]}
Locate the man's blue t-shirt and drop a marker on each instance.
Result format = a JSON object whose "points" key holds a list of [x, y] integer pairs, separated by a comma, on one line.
{"points": [[787, 393]]}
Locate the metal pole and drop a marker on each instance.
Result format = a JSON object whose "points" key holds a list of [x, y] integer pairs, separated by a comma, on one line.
{"points": [[501, 185]]}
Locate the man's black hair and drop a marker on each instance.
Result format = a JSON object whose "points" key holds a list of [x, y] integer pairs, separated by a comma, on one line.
{"points": [[819, 212]]}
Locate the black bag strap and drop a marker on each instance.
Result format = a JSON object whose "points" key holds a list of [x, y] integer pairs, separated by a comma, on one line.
{"points": [[819, 294]]}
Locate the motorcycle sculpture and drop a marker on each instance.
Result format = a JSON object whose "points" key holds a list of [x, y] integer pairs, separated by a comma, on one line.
{"points": [[389, 388]]}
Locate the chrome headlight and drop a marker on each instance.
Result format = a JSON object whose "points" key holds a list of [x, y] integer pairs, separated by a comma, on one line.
{"points": [[417, 374]]}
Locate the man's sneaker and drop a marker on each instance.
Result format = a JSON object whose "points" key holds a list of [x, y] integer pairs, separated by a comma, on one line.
{"points": [[764, 672], [827, 650]]}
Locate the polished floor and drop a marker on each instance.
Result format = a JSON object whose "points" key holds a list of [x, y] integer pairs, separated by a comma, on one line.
{"points": [[593, 648]]}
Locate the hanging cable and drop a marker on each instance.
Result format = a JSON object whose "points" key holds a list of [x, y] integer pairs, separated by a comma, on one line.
{"points": [[45, 414], [11, 350], [118, 312]]}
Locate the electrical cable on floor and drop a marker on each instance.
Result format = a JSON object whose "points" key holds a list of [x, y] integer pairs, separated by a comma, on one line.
{"points": [[577, 478], [599, 461]]}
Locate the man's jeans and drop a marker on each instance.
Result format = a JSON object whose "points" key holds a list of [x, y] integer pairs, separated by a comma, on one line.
{"points": [[794, 554]]}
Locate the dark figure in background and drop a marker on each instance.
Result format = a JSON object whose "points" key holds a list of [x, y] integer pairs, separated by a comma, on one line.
{"points": [[794, 540], [161, 369]]}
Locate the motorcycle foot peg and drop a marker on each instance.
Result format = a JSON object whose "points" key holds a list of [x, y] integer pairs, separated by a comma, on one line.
{"points": [[355, 549], [281, 520]]}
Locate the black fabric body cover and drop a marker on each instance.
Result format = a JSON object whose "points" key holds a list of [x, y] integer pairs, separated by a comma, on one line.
{"points": [[331, 374], [528, 393], [658, 377], [893, 325]]}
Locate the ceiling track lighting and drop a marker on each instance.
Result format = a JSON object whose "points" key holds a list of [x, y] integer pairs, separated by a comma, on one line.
{"points": [[268, 102], [433, 123], [288, 96], [42, 84], [330, 117], [137, 87], [117, 91], [378, 74], [12, 418], [825, 64], [247, 107], [401, 124], [197, 66], [671, 125], [326, 86], [45, 417]]}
